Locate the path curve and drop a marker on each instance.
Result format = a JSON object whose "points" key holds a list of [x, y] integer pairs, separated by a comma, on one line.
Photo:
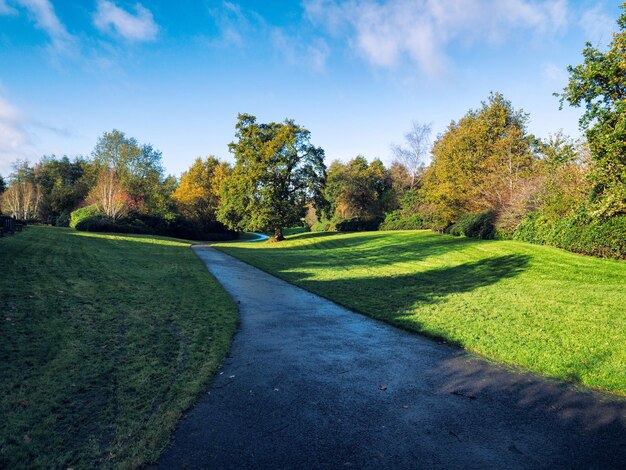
{"points": [[259, 237], [309, 384]]}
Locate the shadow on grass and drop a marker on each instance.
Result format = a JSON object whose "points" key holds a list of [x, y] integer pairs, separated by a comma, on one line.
{"points": [[348, 250], [394, 298]]}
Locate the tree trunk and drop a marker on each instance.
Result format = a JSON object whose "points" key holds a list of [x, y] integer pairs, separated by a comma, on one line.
{"points": [[278, 234]]}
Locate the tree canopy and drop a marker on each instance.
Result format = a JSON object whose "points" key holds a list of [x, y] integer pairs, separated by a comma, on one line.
{"points": [[277, 172], [198, 194], [479, 163], [137, 166], [599, 83]]}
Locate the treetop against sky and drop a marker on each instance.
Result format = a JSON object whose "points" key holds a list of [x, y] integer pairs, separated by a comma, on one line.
{"points": [[355, 73]]}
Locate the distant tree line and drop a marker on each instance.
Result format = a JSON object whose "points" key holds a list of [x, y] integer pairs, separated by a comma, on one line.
{"points": [[486, 177]]}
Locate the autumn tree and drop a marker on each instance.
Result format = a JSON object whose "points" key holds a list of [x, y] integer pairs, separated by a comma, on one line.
{"points": [[563, 171], [22, 200], [198, 194], [108, 195], [412, 154], [137, 166], [481, 162], [599, 83], [277, 172]]}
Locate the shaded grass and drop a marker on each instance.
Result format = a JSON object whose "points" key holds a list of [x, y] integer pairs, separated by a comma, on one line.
{"points": [[104, 341], [548, 310]]}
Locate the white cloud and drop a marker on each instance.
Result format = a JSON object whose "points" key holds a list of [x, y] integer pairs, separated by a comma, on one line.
{"points": [[14, 139], [46, 19], [139, 27], [385, 33]]}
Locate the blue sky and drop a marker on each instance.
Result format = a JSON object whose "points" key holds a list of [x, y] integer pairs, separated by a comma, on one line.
{"points": [[355, 73]]}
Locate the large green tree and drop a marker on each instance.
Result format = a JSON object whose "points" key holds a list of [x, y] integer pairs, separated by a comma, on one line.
{"points": [[277, 172], [65, 183], [599, 83], [358, 189]]}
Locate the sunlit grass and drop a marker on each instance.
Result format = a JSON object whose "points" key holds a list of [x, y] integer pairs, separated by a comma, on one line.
{"points": [[548, 310], [104, 341]]}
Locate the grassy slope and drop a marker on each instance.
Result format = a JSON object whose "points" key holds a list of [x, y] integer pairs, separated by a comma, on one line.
{"points": [[548, 310], [104, 341]]}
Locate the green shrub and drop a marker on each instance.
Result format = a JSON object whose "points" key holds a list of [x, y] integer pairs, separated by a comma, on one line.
{"points": [[152, 225], [478, 225], [63, 220], [324, 225], [83, 213], [396, 220], [577, 233], [359, 225]]}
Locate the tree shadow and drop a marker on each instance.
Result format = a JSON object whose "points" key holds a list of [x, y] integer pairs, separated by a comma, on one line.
{"points": [[350, 250], [394, 298]]}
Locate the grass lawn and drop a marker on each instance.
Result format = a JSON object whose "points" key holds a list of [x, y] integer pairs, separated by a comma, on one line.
{"points": [[104, 341], [548, 310]]}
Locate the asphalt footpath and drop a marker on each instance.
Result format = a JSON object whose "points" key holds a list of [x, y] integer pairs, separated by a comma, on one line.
{"points": [[309, 384]]}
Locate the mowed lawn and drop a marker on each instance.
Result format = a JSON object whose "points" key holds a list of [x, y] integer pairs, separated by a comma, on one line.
{"points": [[104, 341], [550, 311]]}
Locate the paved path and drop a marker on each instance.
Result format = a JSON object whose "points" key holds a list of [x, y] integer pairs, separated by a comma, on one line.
{"points": [[259, 237], [309, 384]]}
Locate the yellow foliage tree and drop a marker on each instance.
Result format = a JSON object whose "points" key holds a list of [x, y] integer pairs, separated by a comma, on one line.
{"points": [[198, 194]]}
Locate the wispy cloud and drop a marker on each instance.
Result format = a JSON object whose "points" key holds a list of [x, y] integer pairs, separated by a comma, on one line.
{"points": [[311, 54], [235, 26], [554, 73], [43, 14], [137, 27], [598, 25], [6, 9], [386, 33]]}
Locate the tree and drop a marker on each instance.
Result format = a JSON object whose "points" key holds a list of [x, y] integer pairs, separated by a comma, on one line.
{"points": [[198, 194], [108, 195], [480, 163], [3, 185], [358, 189], [600, 84], [138, 167], [22, 199], [277, 172], [413, 154], [65, 183]]}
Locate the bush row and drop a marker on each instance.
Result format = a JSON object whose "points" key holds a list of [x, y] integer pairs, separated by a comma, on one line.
{"points": [[577, 233], [347, 225], [178, 227], [478, 225], [396, 220]]}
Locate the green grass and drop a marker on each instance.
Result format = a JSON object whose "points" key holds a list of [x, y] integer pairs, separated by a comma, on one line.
{"points": [[550, 311], [104, 341]]}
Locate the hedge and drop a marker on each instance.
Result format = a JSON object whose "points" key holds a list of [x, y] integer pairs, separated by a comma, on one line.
{"points": [[576, 233]]}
